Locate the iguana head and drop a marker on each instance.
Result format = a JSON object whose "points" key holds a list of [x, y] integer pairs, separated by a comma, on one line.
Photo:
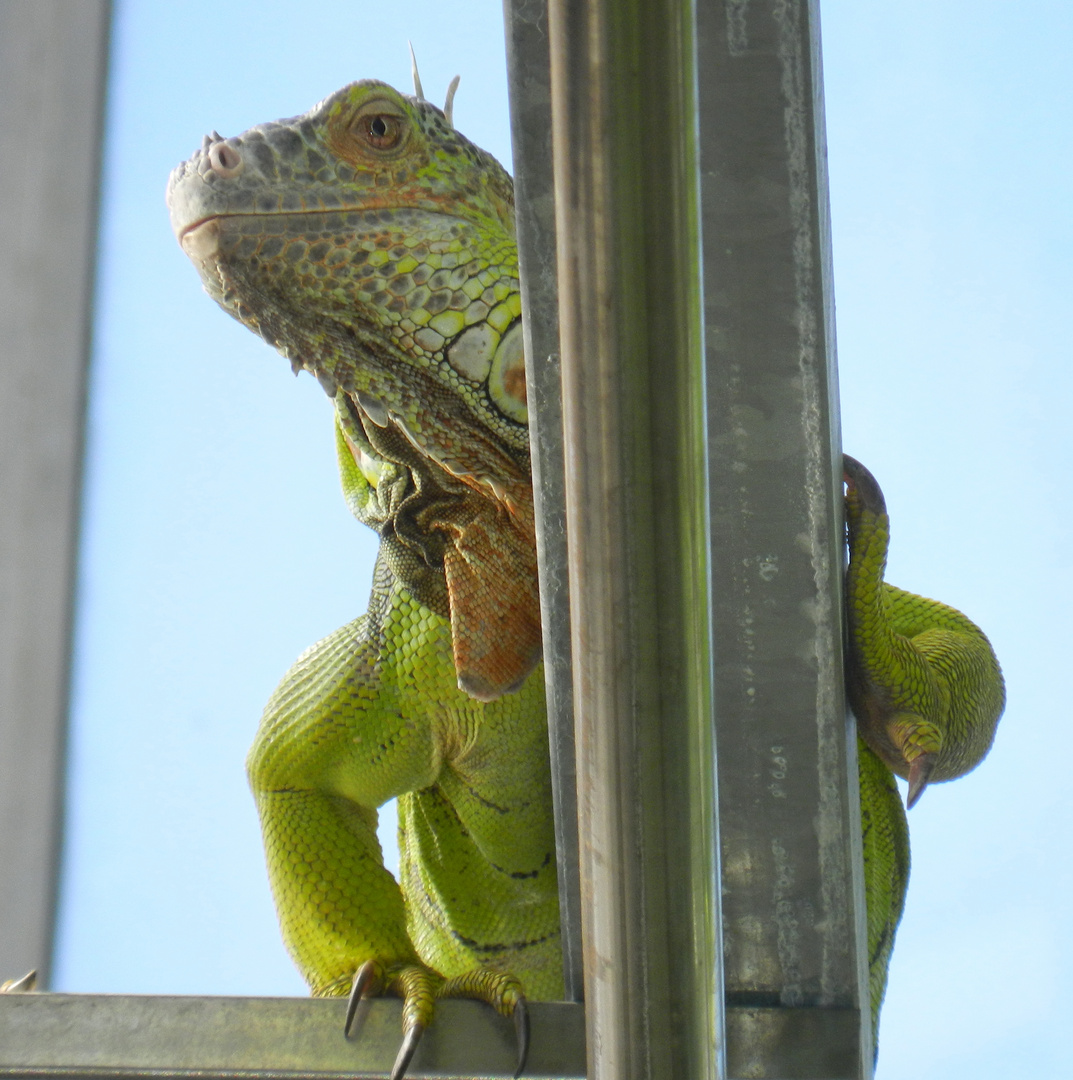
{"points": [[373, 245], [368, 218]]}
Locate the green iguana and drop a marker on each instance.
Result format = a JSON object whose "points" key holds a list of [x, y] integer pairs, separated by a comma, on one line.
{"points": [[373, 246]]}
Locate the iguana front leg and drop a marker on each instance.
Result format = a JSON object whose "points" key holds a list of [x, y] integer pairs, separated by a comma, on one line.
{"points": [[372, 712], [330, 750], [339, 737]]}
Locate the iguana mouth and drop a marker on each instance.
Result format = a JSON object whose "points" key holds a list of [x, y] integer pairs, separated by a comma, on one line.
{"points": [[201, 241]]}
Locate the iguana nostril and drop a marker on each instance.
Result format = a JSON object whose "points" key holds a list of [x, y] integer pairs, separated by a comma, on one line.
{"points": [[224, 160]]}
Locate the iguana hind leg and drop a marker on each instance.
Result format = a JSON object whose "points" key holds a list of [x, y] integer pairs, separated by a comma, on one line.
{"points": [[927, 692], [923, 680]]}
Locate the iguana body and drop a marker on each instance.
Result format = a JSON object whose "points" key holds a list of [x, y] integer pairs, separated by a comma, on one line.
{"points": [[374, 246]]}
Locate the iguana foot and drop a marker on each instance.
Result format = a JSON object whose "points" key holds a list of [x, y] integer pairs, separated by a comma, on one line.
{"points": [[420, 987], [504, 993], [922, 679]]}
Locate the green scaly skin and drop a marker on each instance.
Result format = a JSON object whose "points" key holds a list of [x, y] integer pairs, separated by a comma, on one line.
{"points": [[373, 246], [923, 680], [927, 691]]}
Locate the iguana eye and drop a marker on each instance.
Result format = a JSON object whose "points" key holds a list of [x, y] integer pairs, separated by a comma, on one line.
{"points": [[382, 131], [378, 128]]}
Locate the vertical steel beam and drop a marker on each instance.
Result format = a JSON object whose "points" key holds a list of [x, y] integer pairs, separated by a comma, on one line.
{"points": [[626, 191], [528, 60], [52, 75], [795, 973]]}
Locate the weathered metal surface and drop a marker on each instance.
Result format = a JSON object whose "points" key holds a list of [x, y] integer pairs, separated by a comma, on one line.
{"points": [[792, 1044], [789, 818], [530, 108], [52, 73], [636, 498], [72, 1035]]}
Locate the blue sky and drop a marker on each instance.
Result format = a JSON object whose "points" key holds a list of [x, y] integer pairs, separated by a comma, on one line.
{"points": [[217, 547]]}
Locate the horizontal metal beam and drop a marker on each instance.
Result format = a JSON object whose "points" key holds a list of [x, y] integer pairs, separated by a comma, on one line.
{"points": [[76, 1035], [85, 1035]]}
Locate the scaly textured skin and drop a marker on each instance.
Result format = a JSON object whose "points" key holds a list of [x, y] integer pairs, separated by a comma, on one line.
{"points": [[927, 692], [374, 246], [923, 680], [885, 836]]}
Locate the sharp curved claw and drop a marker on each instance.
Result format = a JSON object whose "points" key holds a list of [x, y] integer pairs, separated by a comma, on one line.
{"points": [[919, 771], [365, 980], [20, 986], [406, 1051], [521, 1027], [857, 476]]}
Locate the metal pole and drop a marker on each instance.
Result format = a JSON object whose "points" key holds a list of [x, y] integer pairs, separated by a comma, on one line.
{"points": [[793, 903], [52, 74], [626, 189], [528, 68]]}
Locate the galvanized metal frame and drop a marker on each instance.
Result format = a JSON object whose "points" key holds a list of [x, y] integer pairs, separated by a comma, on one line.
{"points": [[793, 893], [628, 239], [654, 403], [528, 65], [53, 57], [796, 983], [212, 1038]]}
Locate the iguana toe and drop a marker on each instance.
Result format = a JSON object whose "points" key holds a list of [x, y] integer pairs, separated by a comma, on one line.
{"points": [[919, 744], [500, 990], [410, 1039], [415, 984]]}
